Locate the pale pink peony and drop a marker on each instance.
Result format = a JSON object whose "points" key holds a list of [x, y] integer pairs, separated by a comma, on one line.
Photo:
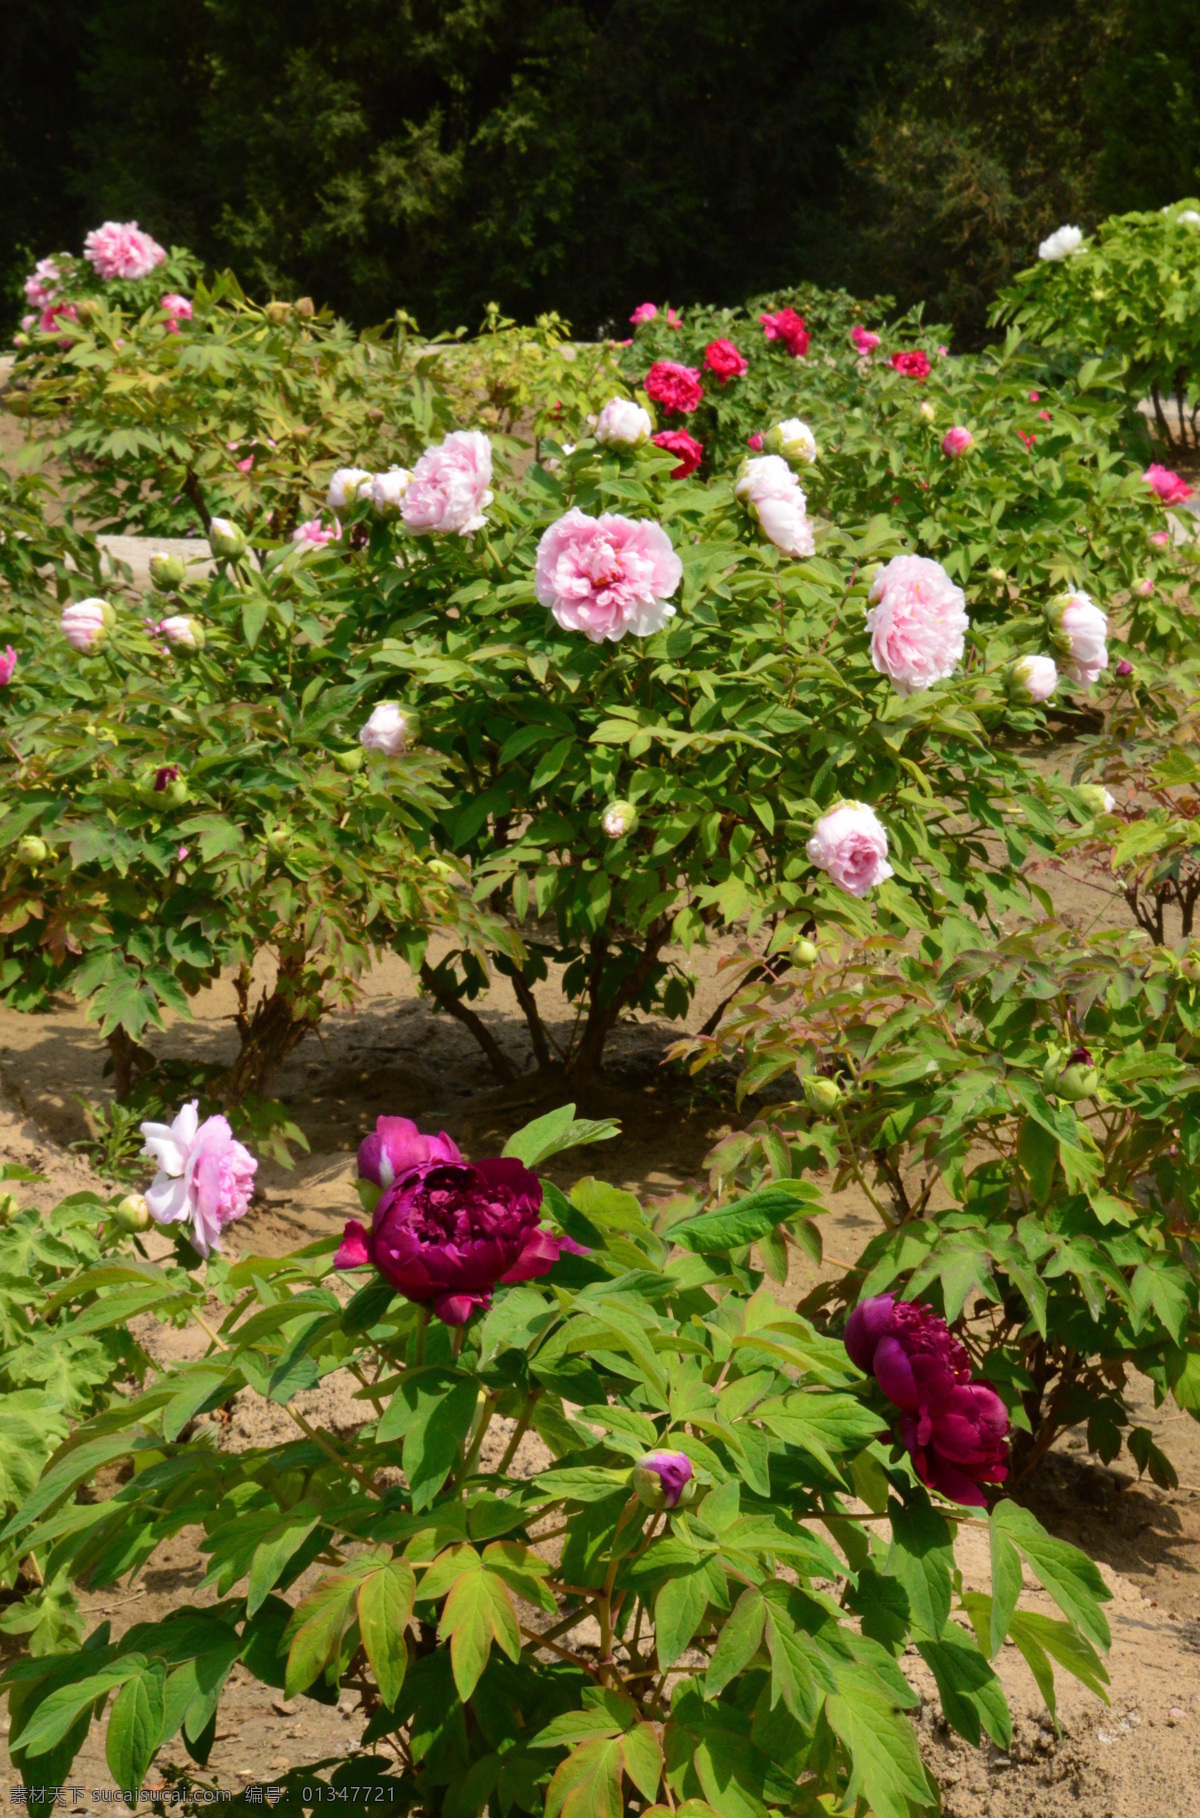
{"points": [[41, 286], [120, 249], [1079, 630], [917, 622], [850, 844], [623, 424], [774, 497], [608, 575], [388, 489], [450, 486], [1034, 679], [956, 442], [863, 339], [178, 309], [1160, 538], [386, 730], [316, 533], [346, 485], [204, 1177], [1170, 488], [86, 623], [182, 631]]}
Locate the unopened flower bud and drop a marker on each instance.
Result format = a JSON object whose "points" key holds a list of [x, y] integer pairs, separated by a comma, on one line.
{"points": [[1124, 669], [1078, 1079], [794, 440], [998, 575], [304, 306], [277, 312], [132, 1214], [387, 730], [387, 490], [1032, 679], [87, 623], [664, 1480], [820, 1094], [183, 632], [350, 761], [805, 952], [1099, 799], [165, 787], [31, 850], [927, 410], [623, 424], [347, 485], [226, 539], [619, 819], [167, 571]]}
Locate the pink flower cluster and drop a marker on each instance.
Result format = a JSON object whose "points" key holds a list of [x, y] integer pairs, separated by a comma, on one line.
{"points": [[673, 386], [1171, 489], [120, 249], [917, 621], [954, 1430], [724, 361], [786, 326], [608, 575]]}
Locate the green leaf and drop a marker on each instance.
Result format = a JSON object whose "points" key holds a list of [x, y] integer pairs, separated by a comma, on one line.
{"points": [[885, 1762], [385, 1603], [1071, 1578], [556, 1131], [1006, 1585], [678, 1612], [746, 1220], [135, 1726], [921, 1556], [273, 1552], [643, 1757], [478, 1610], [970, 1692], [588, 1783], [432, 1411], [739, 1641], [56, 1714]]}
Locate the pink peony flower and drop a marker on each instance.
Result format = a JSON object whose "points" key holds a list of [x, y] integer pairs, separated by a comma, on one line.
{"points": [[1027, 437], [178, 309], [955, 1431], [723, 359], [1143, 588], [679, 442], [1079, 630], [1034, 679], [450, 486], [623, 424], [673, 386], [396, 1147], [1045, 416], [851, 845], [660, 1479], [775, 499], [755, 441], [246, 465], [606, 576], [316, 533], [8, 663], [1034, 396], [911, 365], [386, 730], [41, 286], [786, 326], [674, 318], [120, 249], [182, 631], [86, 623], [204, 1177], [863, 339], [447, 1234], [956, 442], [52, 318], [917, 622], [1171, 489], [645, 312]]}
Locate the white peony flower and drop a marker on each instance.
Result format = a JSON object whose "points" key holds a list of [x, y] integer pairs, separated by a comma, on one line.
{"points": [[622, 424], [1061, 244], [346, 485]]}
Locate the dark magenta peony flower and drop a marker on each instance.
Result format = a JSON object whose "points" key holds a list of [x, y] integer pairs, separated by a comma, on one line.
{"points": [[447, 1234], [673, 386], [679, 442], [397, 1147], [955, 1431], [911, 365], [786, 326], [723, 359], [662, 1479]]}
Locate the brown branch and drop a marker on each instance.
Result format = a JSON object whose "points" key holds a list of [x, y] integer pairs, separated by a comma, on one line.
{"points": [[453, 1006]]}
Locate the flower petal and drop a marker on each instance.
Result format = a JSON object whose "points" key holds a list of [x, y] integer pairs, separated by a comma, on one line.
{"points": [[354, 1251]]}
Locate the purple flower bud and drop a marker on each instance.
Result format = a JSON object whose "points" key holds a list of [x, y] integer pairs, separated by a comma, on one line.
{"points": [[955, 1431], [166, 775], [662, 1479], [396, 1147], [1124, 668], [446, 1235]]}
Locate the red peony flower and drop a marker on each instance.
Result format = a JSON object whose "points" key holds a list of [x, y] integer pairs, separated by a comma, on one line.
{"points": [[723, 359], [913, 365], [955, 1431], [673, 386], [679, 442], [786, 326]]}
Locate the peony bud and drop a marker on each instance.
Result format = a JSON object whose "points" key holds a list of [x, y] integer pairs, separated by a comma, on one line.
{"points": [[618, 819], [31, 850], [1123, 669], [956, 442], [998, 575], [350, 761], [387, 729], [182, 632], [1078, 1079], [664, 1480], [623, 424], [304, 306], [167, 571], [1032, 679], [346, 486], [388, 489], [165, 787], [132, 1214], [820, 1094], [805, 952], [794, 440], [8, 662], [277, 312], [927, 410], [226, 539], [87, 623], [1099, 799], [279, 838], [1143, 588]]}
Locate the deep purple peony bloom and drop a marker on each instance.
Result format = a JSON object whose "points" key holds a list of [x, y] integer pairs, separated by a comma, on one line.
{"points": [[956, 1431], [395, 1147], [660, 1479], [446, 1234]]}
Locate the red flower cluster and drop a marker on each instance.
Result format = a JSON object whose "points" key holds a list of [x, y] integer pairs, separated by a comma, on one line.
{"points": [[673, 386], [786, 326], [679, 442], [723, 359], [955, 1430], [913, 365]]}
